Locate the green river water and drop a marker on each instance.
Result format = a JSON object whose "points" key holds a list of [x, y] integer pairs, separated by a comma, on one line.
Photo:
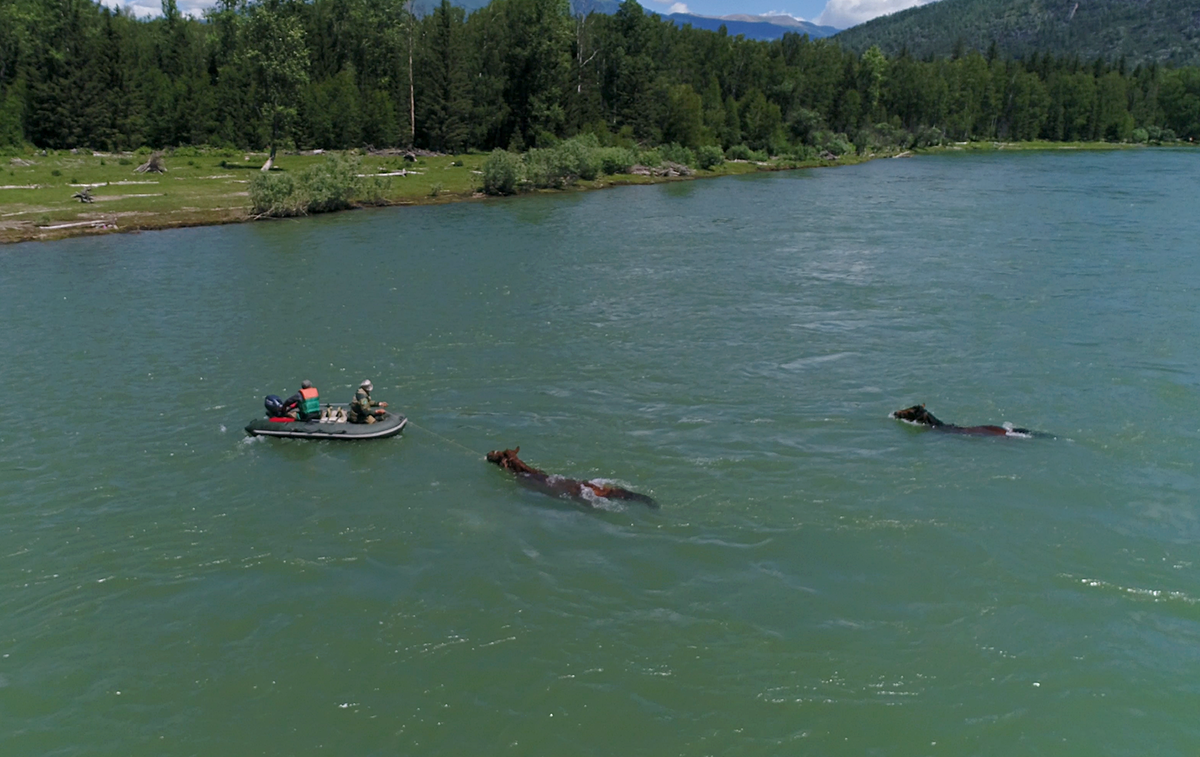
{"points": [[820, 579]]}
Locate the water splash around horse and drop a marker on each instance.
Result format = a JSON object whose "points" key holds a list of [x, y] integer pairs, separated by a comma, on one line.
{"points": [[584, 492]]}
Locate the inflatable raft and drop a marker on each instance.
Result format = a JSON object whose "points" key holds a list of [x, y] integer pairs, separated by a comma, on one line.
{"points": [[389, 424]]}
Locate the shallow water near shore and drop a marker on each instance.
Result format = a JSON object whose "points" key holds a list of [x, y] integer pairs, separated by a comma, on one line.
{"points": [[819, 578]]}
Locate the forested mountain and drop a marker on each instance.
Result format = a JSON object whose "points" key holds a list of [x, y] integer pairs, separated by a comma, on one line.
{"points": [[1138, 31], [527, 73]]}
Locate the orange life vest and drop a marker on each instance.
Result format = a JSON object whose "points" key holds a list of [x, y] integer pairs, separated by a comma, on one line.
{"points": [[310, 404]]}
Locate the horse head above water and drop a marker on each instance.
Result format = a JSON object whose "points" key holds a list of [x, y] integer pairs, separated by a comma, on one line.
{"points": [[581, 491], [919, 415], [508, 460]]}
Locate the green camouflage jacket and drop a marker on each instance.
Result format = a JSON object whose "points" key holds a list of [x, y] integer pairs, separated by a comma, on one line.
{"points": [[362, 402]]}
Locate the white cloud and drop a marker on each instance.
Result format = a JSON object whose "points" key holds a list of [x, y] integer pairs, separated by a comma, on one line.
{"points": [[143, 8], [673, 6], [846, 13], [782, 13]]}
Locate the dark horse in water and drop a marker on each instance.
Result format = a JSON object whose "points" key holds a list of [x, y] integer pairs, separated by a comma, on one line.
{"points": [[918, 414], [557, 486]]}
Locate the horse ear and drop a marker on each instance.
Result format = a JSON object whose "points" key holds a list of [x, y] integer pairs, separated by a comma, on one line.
{"points": [[922, 405], [517, 450]]}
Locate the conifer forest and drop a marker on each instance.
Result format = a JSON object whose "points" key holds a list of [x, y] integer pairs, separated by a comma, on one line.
{"points": [[520, 74]]}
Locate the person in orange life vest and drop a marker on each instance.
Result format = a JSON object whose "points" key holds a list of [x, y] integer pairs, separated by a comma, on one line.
{"points": [[304, 405]]}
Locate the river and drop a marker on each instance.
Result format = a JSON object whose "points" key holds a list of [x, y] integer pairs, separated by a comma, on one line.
{"points": [[819, 578]]}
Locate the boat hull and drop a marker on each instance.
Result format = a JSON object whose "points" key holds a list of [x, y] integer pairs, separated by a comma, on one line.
{"points": [[389, 424]]}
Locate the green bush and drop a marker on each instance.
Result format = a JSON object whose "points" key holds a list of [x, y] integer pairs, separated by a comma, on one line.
{"points": [[373, 190], [501, 173], [803, 153], [827, 141], [321, 188], [615, 160], [330, 185], [274, 194], [881, 137], [709, 157], [1158, 135], [578, 157], [561, 165], [650, 158], [676, 153], [928, 136], [549, 168], [1140, 136], [742, 152]]}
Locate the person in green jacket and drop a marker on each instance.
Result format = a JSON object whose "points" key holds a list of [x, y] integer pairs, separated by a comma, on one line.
{"points": [[364, 409]]}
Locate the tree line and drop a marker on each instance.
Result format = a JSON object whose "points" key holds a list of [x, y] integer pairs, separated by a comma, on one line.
{"points": [[520, 74]]}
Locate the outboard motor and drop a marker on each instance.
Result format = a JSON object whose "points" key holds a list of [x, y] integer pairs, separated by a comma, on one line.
{"points": [[274, 406]]}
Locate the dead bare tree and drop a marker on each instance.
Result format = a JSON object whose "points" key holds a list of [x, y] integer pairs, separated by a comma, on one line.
{"points": [[581, 40], [155, 164], [412, 97]]}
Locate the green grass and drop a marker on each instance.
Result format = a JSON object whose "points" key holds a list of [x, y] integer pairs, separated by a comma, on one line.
{"points": [[1034, 145], [198, 190]]}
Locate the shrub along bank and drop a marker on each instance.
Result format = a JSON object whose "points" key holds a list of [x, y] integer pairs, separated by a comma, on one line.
{"points": [[39, 189]]}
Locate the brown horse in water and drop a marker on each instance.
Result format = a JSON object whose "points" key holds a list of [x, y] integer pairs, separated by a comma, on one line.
{"points": [[557, 486], [919, 415]]}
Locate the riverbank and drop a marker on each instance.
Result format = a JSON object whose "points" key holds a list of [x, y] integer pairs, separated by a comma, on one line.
{"points": [[209, 187]]}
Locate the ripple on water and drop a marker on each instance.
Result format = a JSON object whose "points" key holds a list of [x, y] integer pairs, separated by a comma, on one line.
{"points": [[817, 573]]}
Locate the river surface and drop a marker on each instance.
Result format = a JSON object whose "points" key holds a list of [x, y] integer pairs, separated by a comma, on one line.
{"points": [[819, 579]]}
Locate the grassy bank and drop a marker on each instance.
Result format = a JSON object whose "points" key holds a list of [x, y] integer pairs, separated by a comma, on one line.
{"points": [[198, 188], [208, 187], [203, 187]]}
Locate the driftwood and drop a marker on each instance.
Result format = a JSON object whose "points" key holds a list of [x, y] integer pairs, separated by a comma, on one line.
{"points": [[84, 195], [404, 152], [155, 164], [666, 169]]}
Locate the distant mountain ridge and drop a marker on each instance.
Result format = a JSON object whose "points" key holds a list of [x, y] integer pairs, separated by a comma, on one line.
{"points": [[751, 27], [1140, 31]]}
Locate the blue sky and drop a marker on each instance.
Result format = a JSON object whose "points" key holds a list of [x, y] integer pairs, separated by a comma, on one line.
{"points": [[839, 13]]}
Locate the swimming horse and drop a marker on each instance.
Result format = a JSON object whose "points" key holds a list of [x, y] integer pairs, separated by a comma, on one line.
{"points": [[919, 415], [584, 492]]}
